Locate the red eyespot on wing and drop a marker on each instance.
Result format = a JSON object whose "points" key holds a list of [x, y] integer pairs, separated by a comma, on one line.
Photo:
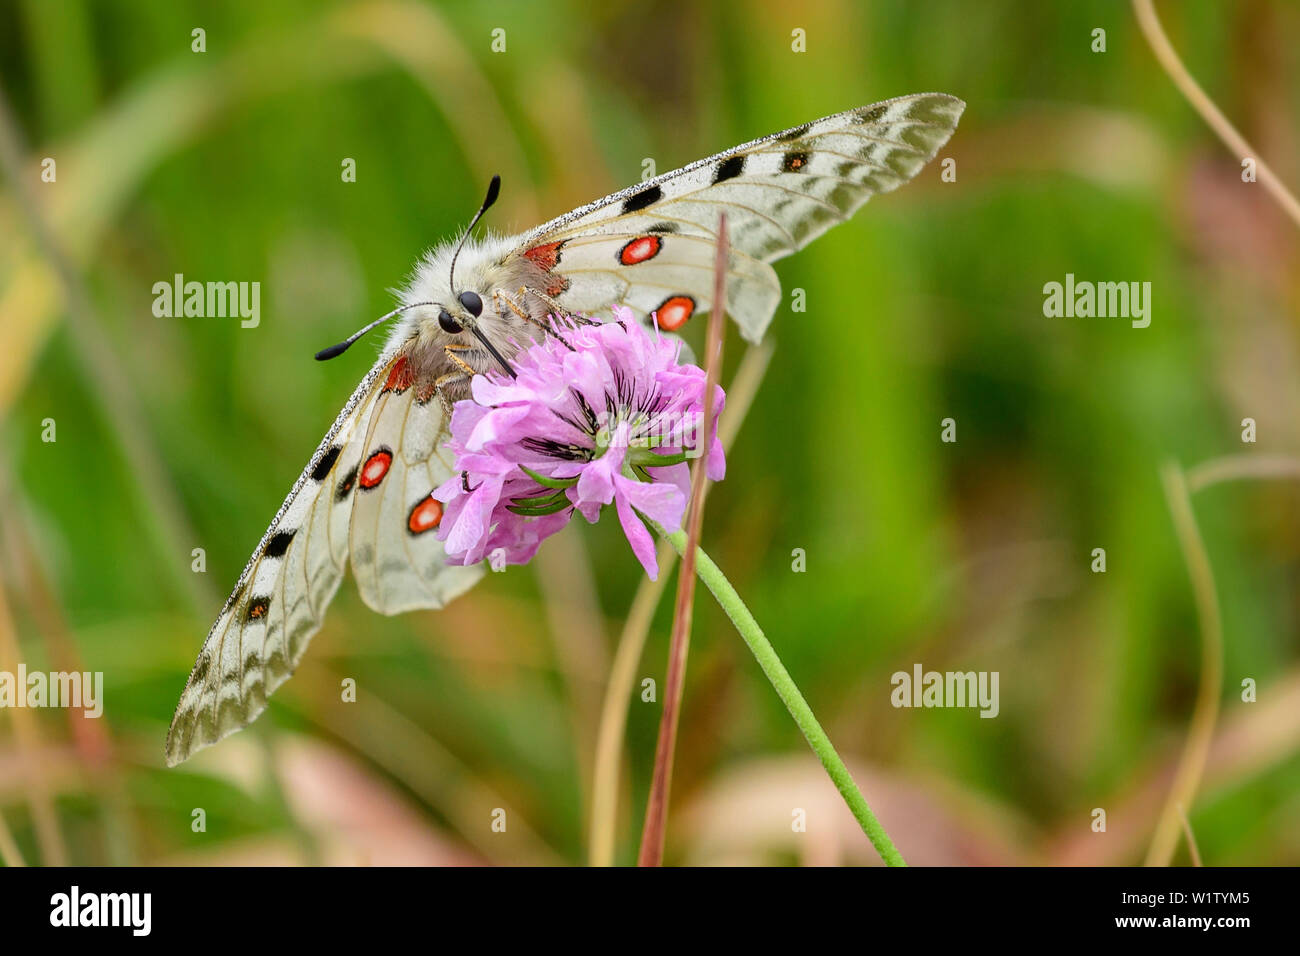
{"points": [[544, 257], [640, 249], [674, 312], [557, 286], [399, 376], [376, 466], [425, 515]]}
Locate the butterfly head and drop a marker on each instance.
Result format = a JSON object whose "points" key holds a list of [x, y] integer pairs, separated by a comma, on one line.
{"points": [[471, 302], [462, 310]]}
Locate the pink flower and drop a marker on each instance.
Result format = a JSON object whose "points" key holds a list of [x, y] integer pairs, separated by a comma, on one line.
{"points": [[597, 414]]}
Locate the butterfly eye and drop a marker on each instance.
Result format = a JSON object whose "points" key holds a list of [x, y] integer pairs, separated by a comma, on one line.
{"points": [[472, 303], [448, 324]]}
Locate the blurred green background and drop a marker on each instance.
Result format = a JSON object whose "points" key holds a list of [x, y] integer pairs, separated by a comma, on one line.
{"points": [[183, 433]]}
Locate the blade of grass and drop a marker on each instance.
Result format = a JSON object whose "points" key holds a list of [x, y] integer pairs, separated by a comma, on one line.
{"points": [[9, 852], [419, 761], [1205, 711], [794, 701], [159, 505], [631, 642], [1213, 116], [27, 736], [613, 717], [569, 597], [1241, 467], [656, 814], [418, 38], [1192, 850], [91, 737]]}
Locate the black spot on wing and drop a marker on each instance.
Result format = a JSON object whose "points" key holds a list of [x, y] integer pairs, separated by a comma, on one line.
{"points": [[345, 485], [201, 668], [662, 228], [279, 543], [794, 161], [257, 608], [729, 168], [873, 114], [795, 133], [639, 201], [322, 469]]}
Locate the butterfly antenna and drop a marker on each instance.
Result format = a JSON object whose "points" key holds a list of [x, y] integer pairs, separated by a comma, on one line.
{"points": [[335, 350], [494, 190]]}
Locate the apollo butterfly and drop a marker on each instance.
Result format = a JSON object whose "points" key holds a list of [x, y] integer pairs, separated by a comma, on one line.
{"points": [[364, 497]]}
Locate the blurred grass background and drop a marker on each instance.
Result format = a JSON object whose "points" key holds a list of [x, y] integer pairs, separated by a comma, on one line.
{"points": [[174, 434]]}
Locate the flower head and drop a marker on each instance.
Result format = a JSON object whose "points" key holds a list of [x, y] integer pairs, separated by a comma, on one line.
{"points": [[597, 414]]}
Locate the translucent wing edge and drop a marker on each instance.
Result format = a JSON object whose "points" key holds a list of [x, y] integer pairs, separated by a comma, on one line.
{"points": [[174, 751], [560, 222]]}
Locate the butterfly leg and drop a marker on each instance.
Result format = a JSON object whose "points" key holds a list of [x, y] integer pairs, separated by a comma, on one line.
{"points": [[442, 385], [456, 379], [523, 314], [465, 368], [498, 297], [556, 309]]}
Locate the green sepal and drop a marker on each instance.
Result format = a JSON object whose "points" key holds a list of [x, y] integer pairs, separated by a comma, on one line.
{"points": [[545, 482], [535, 501], [538, 510], [651, 459]]}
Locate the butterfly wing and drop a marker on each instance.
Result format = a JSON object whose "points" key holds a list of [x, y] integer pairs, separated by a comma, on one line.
{"points": [[281, 596], [650, 247], [397, 560]]}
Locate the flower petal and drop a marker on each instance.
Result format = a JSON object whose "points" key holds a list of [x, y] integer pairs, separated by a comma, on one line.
{"points": [[579, 403], [638, 536], [662, 503], [465, 538]]}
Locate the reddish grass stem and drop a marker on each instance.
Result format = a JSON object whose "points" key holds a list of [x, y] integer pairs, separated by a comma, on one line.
{"points": [[656, 813]]}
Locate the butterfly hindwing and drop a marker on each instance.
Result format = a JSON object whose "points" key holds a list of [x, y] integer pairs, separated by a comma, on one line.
{"points": [[779, 193], [397, 560], [670, 274]]}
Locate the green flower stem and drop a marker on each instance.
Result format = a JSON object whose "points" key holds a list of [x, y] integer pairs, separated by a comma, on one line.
{"points": [[763, 651]]}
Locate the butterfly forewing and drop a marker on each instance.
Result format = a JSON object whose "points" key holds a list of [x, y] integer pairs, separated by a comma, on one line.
{"points": [[779, 193], [281, 597]]}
